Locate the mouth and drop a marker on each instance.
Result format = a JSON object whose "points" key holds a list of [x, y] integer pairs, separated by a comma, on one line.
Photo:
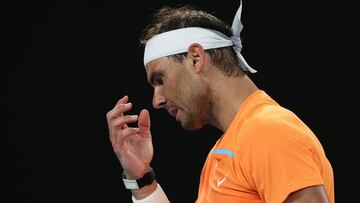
{"points": [[173, 111]]}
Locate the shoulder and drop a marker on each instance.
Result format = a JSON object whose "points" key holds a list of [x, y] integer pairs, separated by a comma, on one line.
{"points": [[273, 128], [273, 117]]}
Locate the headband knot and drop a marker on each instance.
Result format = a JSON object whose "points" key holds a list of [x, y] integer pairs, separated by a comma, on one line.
{"points": [[178, 41]]}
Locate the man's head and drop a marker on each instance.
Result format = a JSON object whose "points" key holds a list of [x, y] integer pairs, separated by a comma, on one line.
{"points": [[182, 80], [167, 19]]}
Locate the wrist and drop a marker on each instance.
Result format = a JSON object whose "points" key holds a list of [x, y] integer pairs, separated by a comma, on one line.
{"points": [[135, 174], [144, 191], [136, 184]]}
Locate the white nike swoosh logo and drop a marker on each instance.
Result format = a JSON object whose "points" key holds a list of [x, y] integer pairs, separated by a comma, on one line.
{"points": [[221, 181]]}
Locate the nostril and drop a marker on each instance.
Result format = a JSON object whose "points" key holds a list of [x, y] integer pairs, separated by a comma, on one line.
{"points": [[158, 99], [159, 102], [159, 105], [162, 104]]}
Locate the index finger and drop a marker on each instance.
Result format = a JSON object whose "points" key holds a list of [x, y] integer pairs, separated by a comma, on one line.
{"points": [[115, 111], [122, 100]]}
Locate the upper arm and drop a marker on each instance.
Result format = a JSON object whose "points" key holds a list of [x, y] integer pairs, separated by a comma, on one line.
{"points": [[278, 161], [313, 194]]}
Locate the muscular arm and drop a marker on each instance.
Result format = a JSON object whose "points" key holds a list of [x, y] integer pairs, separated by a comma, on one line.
{"points": [[313, 194]]}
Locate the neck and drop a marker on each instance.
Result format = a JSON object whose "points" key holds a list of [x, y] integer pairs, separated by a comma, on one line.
{"points": [[229, 93]]}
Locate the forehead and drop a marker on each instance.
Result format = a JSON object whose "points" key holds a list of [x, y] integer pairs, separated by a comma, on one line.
{"points": [[161, 65]]}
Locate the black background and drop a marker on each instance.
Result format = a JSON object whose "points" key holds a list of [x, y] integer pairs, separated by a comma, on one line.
{"points": [[70, 61]]}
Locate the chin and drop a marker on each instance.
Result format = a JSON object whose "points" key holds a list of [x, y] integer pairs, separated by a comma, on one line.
{"points": [[191, 125]]}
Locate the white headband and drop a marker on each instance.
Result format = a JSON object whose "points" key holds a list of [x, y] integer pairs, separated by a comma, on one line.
{"points": [[178, 41]]}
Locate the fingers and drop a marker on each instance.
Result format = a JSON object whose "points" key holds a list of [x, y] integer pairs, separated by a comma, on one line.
{"points": [[128, 131], [118, 110], [123, 120], [123, 100], [119, 138], [118, 127], [144, 122], [118, 122]]}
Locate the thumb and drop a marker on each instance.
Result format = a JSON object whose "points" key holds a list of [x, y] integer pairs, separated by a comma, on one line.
{"points": [[144, 122]]}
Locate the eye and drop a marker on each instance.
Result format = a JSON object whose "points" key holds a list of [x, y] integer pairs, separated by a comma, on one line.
{"points": [[159, 79]]}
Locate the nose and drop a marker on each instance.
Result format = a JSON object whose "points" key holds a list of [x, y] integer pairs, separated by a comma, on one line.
{"points": [[159, 100]]}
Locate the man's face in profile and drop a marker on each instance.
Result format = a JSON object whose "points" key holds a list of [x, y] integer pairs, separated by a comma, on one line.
{"points": [[179, 90]]}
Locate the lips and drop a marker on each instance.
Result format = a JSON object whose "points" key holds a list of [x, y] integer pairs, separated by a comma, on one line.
{"points": [[173, 111]]}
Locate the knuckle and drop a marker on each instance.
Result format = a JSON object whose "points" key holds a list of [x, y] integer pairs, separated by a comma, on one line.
{"points": [[120, 107]]}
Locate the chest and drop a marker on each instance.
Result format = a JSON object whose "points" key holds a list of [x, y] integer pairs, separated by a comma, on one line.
{"points": [[222, 181]]}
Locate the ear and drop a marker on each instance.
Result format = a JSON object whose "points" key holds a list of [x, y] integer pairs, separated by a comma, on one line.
{"points": [[196, 54]]}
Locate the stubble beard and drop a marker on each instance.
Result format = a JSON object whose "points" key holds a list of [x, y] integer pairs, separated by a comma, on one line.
{"points": [[200, 109]]}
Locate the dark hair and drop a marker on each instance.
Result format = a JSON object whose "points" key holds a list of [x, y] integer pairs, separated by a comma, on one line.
{"points": [[167, 18]]}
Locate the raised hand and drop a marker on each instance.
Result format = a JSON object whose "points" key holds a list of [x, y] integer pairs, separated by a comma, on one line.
{"points": [[132, 145]]}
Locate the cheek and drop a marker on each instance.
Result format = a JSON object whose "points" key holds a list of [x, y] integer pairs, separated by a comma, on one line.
{"points": [[178, 97], [181, 90]]}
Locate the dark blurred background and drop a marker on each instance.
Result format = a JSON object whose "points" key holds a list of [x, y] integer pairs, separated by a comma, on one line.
{"points": [[68, 62]]}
